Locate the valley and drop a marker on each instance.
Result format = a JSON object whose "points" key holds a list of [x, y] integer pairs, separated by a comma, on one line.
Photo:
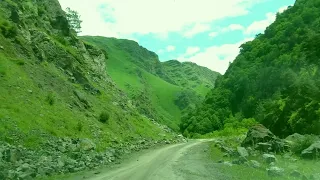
{"points": [[160, 90], [76, 106]]}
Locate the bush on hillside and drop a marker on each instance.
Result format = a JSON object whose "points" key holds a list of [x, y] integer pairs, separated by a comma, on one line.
{"points": [[20, 62], [50, 99], [7, 29], [2, 72], [104, 117], [79, 126], [228, 131], [244, 123], [60, 39]]}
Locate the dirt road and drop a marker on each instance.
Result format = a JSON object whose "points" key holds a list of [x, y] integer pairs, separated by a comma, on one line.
{"points": [[175, 162]]}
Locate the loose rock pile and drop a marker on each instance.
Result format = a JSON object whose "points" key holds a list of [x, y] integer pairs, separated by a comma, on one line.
{"points": [[262, 139], [262, 145], [63, 156]]}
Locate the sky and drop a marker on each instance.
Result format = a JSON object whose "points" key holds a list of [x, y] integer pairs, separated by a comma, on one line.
{"points": [[206, 32]]}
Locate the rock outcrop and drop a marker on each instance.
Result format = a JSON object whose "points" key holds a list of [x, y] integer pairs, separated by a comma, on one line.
{"points": [[261, 138]]}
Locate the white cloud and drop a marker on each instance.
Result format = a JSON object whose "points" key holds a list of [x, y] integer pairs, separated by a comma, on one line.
{"points": [[233, 27], [213, 34], [197, 28], [162, 36], [216, 58], [122, 18], [160, 51], [192, 50], [92, 17], [260, 26], [170, 48]]}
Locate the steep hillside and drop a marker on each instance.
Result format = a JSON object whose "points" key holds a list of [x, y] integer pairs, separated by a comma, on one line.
{"points": [[58, 106], [275, 79], [159, 90], [190, 75], [153, 96]]}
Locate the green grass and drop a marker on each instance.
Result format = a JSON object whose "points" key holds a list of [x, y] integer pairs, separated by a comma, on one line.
{"points": [[162, 93], [202, 90], [189, 75], [26, 113]]}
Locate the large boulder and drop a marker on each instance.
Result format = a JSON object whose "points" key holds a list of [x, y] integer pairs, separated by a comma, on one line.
{"points": [[261, 138], [257, 134], [275, 171], [255, 164], [227, 163], [296, 174], [269, 158], [295, 137], [264, 147], [242, 152], [312, 152], [87, 145], [224, 148]]}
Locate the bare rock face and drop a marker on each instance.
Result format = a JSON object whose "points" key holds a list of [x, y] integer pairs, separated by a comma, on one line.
{"points": [[42, 33], [258, 134]]}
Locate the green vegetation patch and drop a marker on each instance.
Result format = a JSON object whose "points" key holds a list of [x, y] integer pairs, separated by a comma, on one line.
{"points": [[307, 168]]}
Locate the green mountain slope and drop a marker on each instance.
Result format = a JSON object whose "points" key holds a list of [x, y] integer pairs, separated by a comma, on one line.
{"points": [[275, 79], [189, 75], [53, 85], [156, 88]]}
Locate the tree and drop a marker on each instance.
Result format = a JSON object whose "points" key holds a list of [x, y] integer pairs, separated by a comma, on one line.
{"points": [[73, 18], [274, 79]]}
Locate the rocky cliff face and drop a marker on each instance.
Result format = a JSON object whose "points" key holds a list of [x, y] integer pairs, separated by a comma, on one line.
{"points": [[42, 33]]}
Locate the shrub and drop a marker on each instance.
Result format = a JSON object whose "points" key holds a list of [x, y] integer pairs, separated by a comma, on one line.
{"points": [[244, 124], [196, 136], [20, 62], [7, 29], [230, 131], [79, 126], [104, 117], [248, 123], [226, 132], [41, 10], [2, 72], [50, 99], [60, 39]]}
